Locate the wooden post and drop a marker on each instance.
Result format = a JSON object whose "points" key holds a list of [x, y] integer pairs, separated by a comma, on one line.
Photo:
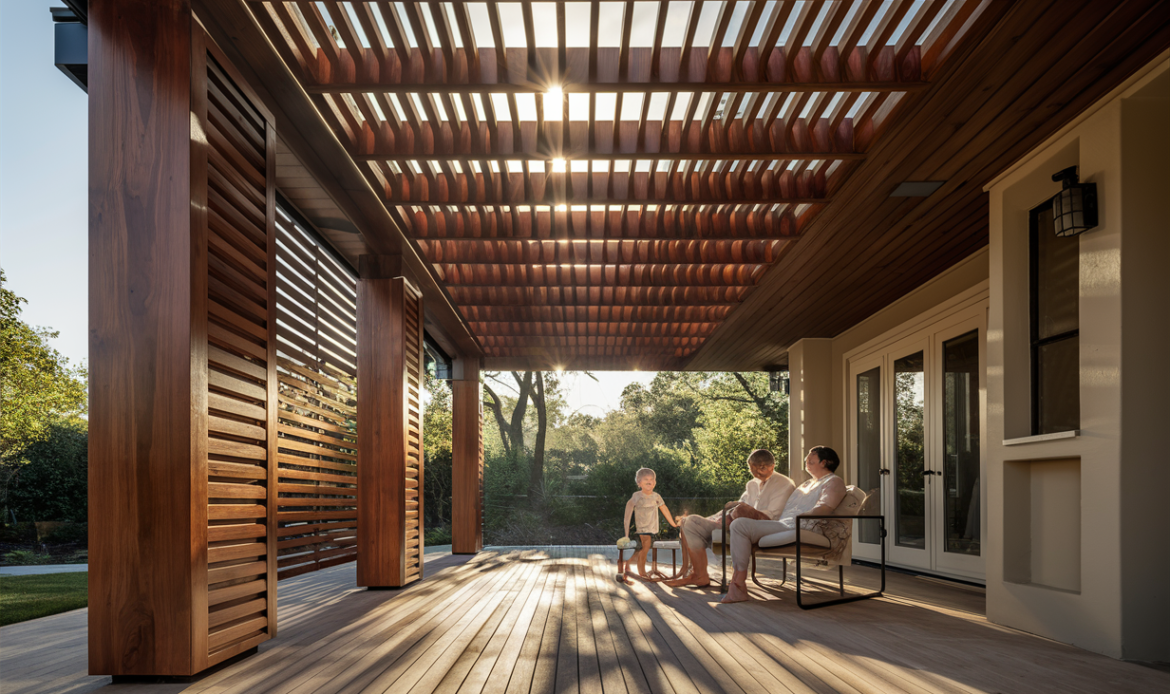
{"points": [[390, 456], [182, 362], [467, 459]]}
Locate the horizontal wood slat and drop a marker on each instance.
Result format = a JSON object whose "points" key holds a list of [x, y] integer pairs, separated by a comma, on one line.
{"points": [[318, 406]]}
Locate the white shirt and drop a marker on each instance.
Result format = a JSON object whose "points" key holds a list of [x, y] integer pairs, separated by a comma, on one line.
{"points": [[809, 495], [770, 496]]}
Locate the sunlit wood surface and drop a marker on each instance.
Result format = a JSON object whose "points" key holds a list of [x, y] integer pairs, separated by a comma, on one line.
{"points": [[552, 619]]}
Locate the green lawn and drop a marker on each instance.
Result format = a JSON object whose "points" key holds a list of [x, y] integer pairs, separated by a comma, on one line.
{"points": [[29, 597]]}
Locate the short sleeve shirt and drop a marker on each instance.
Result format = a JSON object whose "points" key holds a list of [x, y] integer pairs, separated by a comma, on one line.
{"points": [[768, 497], [646, 511]]}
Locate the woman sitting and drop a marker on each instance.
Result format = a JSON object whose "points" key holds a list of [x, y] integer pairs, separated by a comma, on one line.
{"points": [[818, 496]]}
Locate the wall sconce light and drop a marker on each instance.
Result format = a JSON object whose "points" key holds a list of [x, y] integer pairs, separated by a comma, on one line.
{"points": [[778, 381], [1074, 209]]}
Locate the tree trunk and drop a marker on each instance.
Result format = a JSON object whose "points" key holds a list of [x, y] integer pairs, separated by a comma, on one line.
{"points": [[497, 407], [536, 477], [524, 392]]}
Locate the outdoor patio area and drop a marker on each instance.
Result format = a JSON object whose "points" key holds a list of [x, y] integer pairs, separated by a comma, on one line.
{"points": [[552, 619]]}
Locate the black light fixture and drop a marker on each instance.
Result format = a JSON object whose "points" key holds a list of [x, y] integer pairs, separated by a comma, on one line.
{"points": [[1074, 208], [778, 381]]}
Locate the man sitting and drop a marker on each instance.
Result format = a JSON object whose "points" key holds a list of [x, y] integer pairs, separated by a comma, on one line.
{"points": [[818, 496], [763, 499]]}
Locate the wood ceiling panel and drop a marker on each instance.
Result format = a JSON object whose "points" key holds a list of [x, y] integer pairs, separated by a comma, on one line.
{"points": [[1036, 71]]}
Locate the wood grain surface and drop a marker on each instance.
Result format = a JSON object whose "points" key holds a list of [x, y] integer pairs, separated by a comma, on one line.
{"points": [[545, 619]]}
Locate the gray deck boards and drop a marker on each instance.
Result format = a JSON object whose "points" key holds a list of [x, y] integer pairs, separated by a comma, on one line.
{"points": [[552, 619]]}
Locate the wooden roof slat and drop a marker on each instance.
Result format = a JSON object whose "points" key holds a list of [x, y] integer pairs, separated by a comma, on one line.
{"points": [[316, 24], [470, 47], [732, 191], [493, 11], [422, 36], [446, 38], [397, 30], [689, 38], [776, 22], [344, 27], [593, 87], [743, 40]]}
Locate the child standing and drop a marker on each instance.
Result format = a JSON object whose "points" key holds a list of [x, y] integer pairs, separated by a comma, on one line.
{"points": [[644, 506]]}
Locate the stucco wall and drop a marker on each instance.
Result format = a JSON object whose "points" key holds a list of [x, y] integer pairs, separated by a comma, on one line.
{"points": [[1093, 585]]}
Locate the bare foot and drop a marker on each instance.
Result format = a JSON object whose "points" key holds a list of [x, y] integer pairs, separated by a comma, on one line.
{"points": [[736, 593]]}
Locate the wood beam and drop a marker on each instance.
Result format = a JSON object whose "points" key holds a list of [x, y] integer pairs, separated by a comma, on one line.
{"points": [[721, 275], [173, 193], [600, 296], [539, 155], [779, 88], [390, 468], [685, 202], [598, 314], [466, 459]]}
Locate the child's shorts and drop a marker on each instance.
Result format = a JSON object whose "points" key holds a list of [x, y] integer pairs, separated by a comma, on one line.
{"points": [[637, 540]]}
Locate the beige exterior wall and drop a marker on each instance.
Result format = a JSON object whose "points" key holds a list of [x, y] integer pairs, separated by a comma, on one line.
{"points": [[818, 385], [1077, 544]]}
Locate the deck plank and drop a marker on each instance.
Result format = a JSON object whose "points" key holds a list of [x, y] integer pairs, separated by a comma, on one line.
{"points": [[552, 619]]}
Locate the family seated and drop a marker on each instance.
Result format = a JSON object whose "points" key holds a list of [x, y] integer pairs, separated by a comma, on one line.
{"points": [[769, 505]]}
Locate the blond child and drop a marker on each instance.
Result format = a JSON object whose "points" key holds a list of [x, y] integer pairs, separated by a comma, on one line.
{"points": [[644, 506]]}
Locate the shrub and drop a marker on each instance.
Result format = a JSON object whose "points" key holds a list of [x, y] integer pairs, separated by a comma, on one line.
{"points": [[438, 536], [50, 484], [67, 533], [26, 557]]}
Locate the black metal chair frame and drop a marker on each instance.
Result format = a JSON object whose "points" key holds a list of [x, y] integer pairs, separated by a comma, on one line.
{"points": [[799, 578]]}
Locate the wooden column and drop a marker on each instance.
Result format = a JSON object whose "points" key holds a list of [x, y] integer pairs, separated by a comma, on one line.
{"points": [[467, 459], [390, 456], [182, 568]]}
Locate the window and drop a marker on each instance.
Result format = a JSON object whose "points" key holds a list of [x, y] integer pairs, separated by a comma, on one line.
{"points": [[1054, 269]]}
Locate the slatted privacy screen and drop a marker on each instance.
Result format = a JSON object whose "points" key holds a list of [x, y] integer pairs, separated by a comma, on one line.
{"points": [[240, 383], [317, 459], [413, 361]]}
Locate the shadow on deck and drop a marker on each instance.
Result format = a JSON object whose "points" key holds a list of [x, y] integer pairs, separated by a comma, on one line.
{"points": [[552, 619]]}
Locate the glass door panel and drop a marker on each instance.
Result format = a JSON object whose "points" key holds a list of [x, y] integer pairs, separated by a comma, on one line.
{"points": [[961, 444], [869, 448], [910, 452]]}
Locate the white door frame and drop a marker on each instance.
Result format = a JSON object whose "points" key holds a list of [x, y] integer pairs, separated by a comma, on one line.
{"points": [[952, 563], [863, 550], [966, 314], [919, 558]]}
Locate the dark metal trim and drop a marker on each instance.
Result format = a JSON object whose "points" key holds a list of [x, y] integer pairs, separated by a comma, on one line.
{"points": [[841, 569]]}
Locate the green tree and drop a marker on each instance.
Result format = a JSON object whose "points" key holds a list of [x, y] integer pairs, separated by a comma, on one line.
{"points": [[437, 454], [37, 384], [51, 483]]}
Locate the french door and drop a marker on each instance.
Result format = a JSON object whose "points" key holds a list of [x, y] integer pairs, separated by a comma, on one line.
{"points": [[915, 423]]}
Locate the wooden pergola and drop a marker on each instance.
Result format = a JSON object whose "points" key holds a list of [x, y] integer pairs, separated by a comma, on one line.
{"points": [[286, 196]]}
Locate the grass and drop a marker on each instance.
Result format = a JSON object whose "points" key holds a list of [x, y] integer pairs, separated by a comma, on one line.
{"points": [[29, 597]]}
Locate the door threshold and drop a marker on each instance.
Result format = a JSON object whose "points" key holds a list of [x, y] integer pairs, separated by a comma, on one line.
{"points": [[962, 583]]}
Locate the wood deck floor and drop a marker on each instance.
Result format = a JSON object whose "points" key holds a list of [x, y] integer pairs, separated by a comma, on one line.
{"points": [[554, 620]]}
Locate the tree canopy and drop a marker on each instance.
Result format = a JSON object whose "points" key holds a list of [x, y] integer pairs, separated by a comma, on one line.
{"points": [[555, 475], [37, 384]]}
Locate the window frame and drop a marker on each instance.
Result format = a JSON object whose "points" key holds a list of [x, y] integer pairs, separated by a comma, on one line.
{"points": [[1035, 342]]}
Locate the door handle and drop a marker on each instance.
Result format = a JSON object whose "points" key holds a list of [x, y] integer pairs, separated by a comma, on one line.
{"points": [[883, 471]]}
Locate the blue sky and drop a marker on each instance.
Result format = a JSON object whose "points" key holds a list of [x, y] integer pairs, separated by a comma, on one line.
{"points": [[43, 195], [43, 177]]}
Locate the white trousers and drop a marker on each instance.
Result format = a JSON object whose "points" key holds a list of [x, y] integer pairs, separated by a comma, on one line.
{"points": [[744, 533]]}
